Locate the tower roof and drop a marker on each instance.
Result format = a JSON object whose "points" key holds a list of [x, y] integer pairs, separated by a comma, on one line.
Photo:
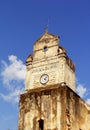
{"points": [[46, 39], [47, 36]]}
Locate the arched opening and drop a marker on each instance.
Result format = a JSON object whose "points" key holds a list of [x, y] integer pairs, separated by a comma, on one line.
{"points": [[45, 48], [41, 124]]}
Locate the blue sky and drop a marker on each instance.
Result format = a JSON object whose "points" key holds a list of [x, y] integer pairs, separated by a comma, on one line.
{"points": [[21, 24]]}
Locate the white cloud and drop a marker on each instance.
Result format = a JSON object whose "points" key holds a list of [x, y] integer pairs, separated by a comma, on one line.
{"points": [[13, 96], [15, 70], [88, 101], [13, 78], [81, 90]]}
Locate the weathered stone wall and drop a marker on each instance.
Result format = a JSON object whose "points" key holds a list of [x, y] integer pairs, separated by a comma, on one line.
{"points": [[43, 105], [58, 107], [69, 77], [78, 116]]}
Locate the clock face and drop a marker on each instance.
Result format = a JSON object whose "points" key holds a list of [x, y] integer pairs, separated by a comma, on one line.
{"points": [[44, 78]]}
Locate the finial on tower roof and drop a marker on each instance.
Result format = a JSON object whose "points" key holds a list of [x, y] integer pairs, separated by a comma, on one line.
{"points": [[46, 29]]}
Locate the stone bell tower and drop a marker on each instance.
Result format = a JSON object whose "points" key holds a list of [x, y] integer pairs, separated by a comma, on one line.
{"points": [[50, 101]]}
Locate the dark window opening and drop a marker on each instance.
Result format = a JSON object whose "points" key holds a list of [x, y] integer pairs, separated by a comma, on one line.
{"points": [[41, 124], [45, 49], [58, 51]]}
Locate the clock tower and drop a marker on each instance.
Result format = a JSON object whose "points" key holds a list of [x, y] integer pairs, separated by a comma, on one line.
{"points": [[49, 64], [50, 101]]}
